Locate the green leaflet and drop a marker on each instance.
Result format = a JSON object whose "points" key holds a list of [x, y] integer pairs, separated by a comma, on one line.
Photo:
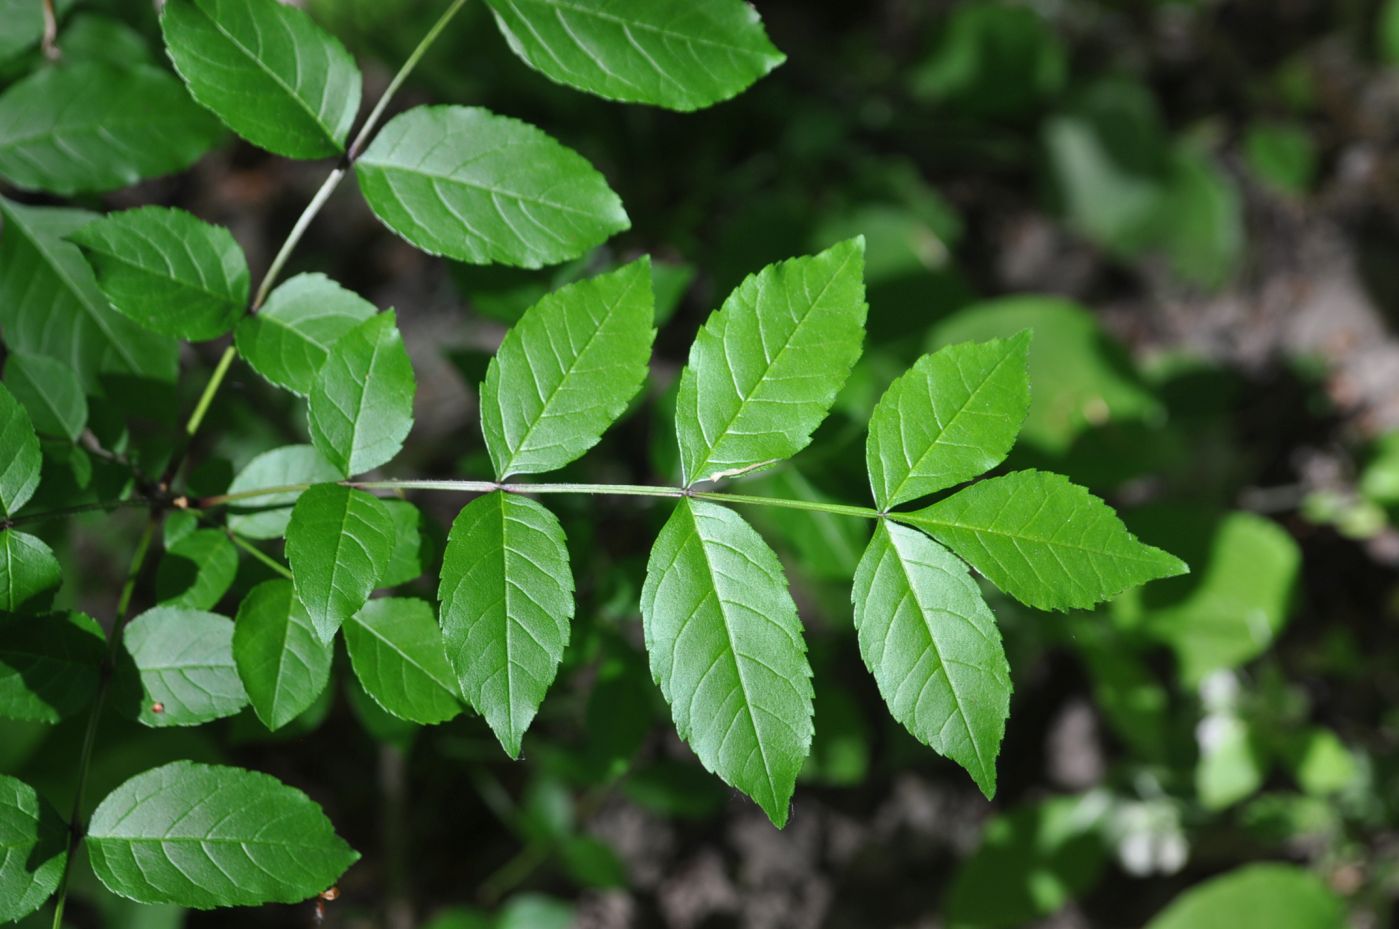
{"points": [[339, 543], [507, 600], [766, 367], [168, 271], [287, 339], [50, 391], [1278, 896], [467, 184], [197, 570], [933, 647], [361, 406], [406, 562], [184, 659], [48, 665], [1048, 543], [952, 416], [50, 304], [24, 26], [197, 835], [282, 662], [267, 70], [726, 649], [88, 127], [33, 849], [566, 371], [281, 467], [91, 36], [679, 54], [20, 459], [28, 571], [397, 651]]}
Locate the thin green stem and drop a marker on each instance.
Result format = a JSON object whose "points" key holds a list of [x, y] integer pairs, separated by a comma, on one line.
{"points": [[103, 506], [75, 829], [257, 553], [414, 57], [205, 399], [815, 506], [610, 490], [303, 222]]}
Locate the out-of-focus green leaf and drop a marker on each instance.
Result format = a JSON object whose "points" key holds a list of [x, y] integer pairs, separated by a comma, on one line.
{"points": [[267, 70], [48, 665], [1032, 861], [679, 54], [33, 849], [468, 184], [90, 127], [20, 459], [28, 571], [50, 304], [1282, 155], [1278, 896], [50, 391], [992, 60], [1236, 602]]}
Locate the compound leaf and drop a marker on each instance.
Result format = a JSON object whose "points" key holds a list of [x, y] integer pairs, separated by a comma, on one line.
{"points": [[184, 659], [1048, 543], [282, 662], [766, 367], [167, 270], [679, 54], [87, 127], [20, 458], [361, 406], [33, 849], [281, 467], [507, 599], [50, 304], [50, 391], [467, 184], [952, 416], [267, 70], [28, 570], [339, 543], [197, 570], [726, 649], [197, 835], [287, 339], [397, 651], [566, 371], [933, 647], [48, 665]]}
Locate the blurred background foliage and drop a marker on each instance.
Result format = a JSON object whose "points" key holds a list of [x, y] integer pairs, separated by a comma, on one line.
{"points": [[1192, 204]]}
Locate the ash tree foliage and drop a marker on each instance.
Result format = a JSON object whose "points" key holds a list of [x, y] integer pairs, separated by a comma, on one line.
{"points": [[89, 302]]}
